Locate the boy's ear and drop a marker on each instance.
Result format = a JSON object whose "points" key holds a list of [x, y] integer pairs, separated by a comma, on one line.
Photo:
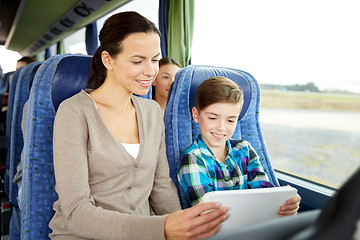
{"points": [[195, 114], [107, 60]]}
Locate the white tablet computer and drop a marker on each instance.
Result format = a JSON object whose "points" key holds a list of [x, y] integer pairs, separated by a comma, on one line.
{"points": [[250, 206]]}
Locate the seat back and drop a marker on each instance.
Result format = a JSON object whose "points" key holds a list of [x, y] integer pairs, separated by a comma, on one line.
{"points": [[181, 131], [4, 89], [58, 78], [10, 105], [5, 81], [21, 95]]}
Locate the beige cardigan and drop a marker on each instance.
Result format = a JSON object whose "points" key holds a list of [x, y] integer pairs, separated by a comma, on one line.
{"points": [[104, 193]]}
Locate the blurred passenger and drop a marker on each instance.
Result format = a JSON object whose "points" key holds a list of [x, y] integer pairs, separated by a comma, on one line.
{"points": [[24, 61], [168, 67]]}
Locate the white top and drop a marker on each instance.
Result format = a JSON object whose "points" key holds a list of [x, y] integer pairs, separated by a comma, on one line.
{"points": [[132, 149]]}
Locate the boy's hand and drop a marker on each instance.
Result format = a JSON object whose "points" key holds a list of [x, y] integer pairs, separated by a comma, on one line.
{"points": [[290, 207], [198, 222]]}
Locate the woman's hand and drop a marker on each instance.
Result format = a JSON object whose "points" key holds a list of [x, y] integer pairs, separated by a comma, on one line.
{"points": [[290, 207], [201, 221]]}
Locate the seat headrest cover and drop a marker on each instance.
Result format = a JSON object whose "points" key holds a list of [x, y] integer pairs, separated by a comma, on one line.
{"points": [[200, 74], [71, 76], [32, 74]]}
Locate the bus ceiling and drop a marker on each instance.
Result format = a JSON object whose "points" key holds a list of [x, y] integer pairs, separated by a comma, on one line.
{"points": [[29, 26]]}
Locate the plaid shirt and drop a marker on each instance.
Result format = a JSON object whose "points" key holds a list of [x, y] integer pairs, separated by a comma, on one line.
{"points": [[200, 172]]}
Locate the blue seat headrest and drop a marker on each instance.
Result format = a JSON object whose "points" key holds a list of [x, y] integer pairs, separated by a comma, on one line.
{"points": [[32, 74], [203, 73], [71, 76]]}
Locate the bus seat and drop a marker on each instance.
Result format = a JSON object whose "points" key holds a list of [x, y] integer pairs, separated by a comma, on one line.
{"points": [[22, 91], [4, 89], [4, 83], [21, 95], [58, 78], [12, 87], [181, 131]]}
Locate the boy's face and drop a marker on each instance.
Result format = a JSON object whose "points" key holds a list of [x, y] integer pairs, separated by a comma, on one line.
{"points": [[217, 123]]}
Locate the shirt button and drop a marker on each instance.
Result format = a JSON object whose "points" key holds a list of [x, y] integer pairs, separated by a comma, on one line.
{"points": [[237, 184], [136, 165], [132, 208], [228, 167], [129, 188]]}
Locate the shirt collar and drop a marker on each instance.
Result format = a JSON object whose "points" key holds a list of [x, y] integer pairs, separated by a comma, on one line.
{"points": [[207, 153]]}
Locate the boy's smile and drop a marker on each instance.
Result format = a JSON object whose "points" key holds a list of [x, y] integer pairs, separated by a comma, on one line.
{"points": [[217, 124]]}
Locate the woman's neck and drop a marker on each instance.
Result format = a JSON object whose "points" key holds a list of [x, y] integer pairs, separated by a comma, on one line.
{"points": [[112, 95]]}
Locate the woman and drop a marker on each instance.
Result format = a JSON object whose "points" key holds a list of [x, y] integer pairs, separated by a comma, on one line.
{"points": [[168, 67], [110, 164]]}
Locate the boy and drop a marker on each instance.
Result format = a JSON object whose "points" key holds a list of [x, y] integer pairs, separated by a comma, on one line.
{"points": [[214, 162]]}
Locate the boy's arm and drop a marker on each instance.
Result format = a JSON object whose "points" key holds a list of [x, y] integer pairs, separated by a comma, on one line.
{"points": [[193, 178], [257, 178]]}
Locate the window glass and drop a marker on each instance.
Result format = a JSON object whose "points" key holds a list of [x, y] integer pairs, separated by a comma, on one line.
{"points": [[305, 56], [75, 43], [8, 60]]}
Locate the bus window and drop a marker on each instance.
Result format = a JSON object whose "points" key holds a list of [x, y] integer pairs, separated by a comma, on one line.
{"points": [[305, 56], [75, 43], [8, 63]]}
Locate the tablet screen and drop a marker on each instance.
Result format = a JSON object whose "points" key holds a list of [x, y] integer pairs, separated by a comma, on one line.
{"points": [[250, 206]]}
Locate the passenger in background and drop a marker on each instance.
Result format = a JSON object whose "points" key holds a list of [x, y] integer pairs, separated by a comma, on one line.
{"points": [[168, 67], [111, 171], [24, 61], [214, 162]]}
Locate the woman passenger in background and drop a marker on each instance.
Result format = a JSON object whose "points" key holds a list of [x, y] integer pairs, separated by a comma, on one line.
{"points": [[168, 67], [111, 170]]}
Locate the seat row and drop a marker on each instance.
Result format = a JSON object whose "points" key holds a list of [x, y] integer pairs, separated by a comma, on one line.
{"points": [[45, 85]]}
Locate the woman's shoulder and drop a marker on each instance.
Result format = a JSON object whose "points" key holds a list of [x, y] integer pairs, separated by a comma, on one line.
{"points": [[76, 102]]}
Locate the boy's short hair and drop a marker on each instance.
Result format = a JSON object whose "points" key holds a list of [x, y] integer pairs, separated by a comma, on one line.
{"points": [[218, 90]]}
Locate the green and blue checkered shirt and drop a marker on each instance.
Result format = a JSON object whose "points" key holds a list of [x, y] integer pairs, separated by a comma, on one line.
{"points": [[200, 172]]}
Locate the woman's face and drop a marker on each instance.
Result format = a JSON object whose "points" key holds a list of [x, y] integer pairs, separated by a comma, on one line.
{"points": [[164, 79], [136, 66]]}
